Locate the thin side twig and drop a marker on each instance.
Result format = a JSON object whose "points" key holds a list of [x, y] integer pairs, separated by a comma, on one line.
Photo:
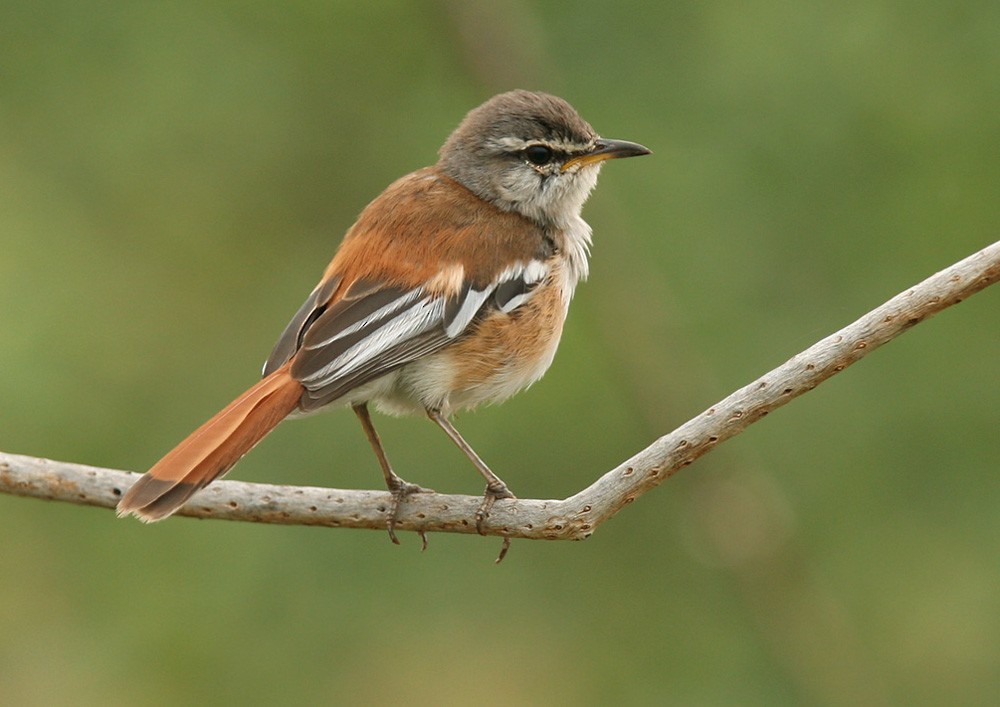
{"points": [[573, 518]]}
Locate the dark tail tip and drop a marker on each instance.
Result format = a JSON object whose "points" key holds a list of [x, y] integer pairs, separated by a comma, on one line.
{"points": [[151, 499]]}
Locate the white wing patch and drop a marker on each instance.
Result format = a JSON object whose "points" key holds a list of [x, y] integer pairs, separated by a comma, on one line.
{"points": [[530, 275], [472, 303], [415, 313], [418, 319], [520, 278], [375, 316]]}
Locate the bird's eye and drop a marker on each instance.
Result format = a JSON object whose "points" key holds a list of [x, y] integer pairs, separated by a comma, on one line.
{"points": [[538, 154]]}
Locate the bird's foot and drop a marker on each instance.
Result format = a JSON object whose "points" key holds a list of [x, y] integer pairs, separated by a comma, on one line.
{"points": [[400, 490], [494, 492]]}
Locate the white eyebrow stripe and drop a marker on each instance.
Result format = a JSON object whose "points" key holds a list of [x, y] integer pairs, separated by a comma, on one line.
{"points": [[516, 144]]}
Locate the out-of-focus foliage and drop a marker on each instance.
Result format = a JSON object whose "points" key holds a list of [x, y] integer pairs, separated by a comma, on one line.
{"points": [[175, 176]]}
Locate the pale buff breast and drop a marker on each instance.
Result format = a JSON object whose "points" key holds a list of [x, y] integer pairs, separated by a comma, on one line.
{"points": [[499, 356]]}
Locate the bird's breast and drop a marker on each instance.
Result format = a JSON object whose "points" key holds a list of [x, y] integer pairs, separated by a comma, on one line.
{"points": [[501, 354]]}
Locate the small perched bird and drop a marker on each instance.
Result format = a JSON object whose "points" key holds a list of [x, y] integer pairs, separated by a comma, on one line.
{"points": [[450, 290]]}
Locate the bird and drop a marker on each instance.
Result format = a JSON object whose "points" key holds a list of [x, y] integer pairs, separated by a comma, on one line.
{"points": [[450, 290]]}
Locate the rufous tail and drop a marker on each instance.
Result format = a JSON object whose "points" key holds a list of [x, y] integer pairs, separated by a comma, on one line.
{"points": [[212, 449]]}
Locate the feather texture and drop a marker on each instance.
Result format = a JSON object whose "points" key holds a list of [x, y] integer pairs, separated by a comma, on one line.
{"points": [[450, 290], [212, 449]]}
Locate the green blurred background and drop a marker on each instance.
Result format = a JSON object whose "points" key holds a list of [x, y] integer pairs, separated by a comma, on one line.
{"points": [[175, 176]]}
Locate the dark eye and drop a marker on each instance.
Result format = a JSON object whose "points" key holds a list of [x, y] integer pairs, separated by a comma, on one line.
{"points": [[538, 154]]}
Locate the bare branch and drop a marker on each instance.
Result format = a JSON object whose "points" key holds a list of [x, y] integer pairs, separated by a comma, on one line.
{"points": [[573, 518]]}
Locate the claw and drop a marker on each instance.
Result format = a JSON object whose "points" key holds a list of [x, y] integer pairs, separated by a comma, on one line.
{"points": [[503, 550], [493, 493], [400, 490]]}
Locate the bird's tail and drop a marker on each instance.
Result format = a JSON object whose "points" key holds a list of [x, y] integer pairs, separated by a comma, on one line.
{"points": [[212, 449]]}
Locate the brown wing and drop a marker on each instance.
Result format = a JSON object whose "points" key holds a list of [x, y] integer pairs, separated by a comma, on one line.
{"points": [[291, 338], [372, 329]]}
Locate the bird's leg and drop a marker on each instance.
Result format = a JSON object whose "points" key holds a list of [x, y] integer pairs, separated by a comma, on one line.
{"points": [[399, 488], [495, 487]]}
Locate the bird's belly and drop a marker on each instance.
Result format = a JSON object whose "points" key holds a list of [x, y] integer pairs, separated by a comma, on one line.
{"points": [[500, 355]]}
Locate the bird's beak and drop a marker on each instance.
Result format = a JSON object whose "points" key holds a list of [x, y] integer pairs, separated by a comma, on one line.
{"points": [[605, 149]]}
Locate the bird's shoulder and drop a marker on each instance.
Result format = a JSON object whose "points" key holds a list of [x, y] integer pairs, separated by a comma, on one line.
{"points": [[426, 223]]}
